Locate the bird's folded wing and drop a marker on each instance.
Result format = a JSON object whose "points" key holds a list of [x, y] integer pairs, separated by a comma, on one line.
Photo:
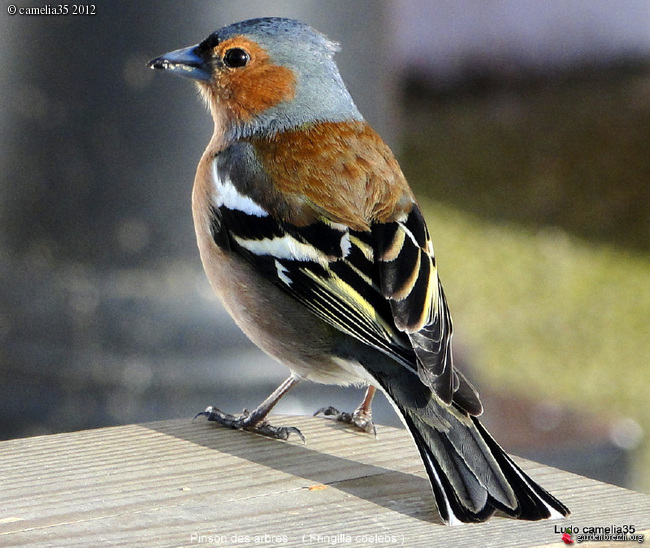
{"points": [[409, 280], [326, 267], [378, 285]]}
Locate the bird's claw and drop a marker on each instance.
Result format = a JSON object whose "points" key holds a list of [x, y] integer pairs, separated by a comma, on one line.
{"points": [[247, 422], [359, 419]]}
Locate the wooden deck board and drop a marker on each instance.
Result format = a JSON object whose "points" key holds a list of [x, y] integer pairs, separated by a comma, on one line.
{"points": [[184, 483]]}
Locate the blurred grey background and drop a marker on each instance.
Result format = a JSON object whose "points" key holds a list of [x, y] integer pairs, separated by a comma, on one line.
{"points": [[529, 118]]}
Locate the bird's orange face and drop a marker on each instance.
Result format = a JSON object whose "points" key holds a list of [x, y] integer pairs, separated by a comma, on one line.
{"points": [[265, 78], [244, 80]]}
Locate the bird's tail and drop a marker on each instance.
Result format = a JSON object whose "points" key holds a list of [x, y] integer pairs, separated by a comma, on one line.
{"points": [[471, 475]]}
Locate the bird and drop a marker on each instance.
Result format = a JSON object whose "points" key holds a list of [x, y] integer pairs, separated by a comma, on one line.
{"points": [[313, 240]]}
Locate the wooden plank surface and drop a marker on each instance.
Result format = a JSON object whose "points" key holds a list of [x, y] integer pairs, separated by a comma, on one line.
{"points": [[188, 483]]}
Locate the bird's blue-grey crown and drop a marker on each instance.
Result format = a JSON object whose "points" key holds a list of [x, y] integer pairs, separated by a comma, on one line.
{"points": [[320, 93]]}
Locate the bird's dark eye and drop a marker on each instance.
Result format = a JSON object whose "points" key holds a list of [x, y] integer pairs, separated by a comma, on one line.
{"points": [[236, 57]]}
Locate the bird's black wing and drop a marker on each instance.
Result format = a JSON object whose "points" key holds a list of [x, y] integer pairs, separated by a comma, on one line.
{"points": [[379, 286], [408, 279]]}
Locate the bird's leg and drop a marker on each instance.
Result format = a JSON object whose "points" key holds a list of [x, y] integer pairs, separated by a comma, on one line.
{"points": [[255, 420], [361, 417]]}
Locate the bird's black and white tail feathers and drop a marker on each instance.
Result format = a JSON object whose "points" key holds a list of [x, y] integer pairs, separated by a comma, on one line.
{"points": [[470, 474]]}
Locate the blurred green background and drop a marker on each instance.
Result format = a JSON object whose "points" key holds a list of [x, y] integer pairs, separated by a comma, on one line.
{"points": [[537, 195]]}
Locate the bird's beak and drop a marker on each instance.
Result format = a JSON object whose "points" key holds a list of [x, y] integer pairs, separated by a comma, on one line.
{"points": [[187, 62]]}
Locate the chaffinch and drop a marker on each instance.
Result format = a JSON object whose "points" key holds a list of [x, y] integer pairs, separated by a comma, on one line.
{"points": [[312, 238]]}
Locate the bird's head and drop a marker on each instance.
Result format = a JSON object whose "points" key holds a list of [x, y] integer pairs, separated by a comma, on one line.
{"points": [[264, 76]]}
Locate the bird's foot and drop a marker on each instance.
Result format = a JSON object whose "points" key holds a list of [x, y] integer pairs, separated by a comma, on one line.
{"points": [[249, 422], [360, 419]]}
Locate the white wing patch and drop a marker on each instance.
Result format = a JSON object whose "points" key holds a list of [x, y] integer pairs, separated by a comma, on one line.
{"points": [[283, 273], [283, 247], [346, 245], [227, 195]]}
